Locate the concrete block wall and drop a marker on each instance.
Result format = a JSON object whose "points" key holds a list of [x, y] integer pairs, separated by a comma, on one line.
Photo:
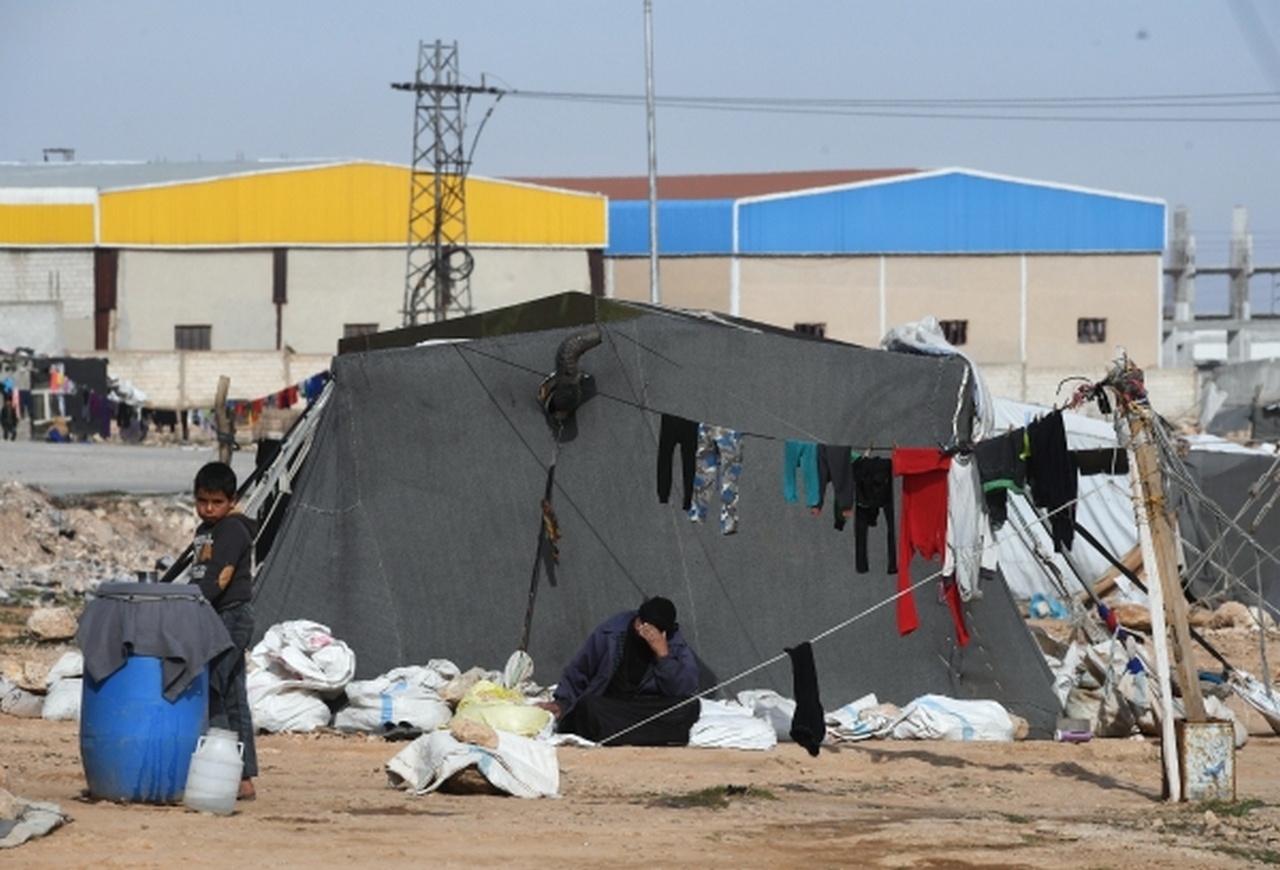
{"points": [[178, 379], [33, 325], [1174, 392], [189, 379], [43, 275]]}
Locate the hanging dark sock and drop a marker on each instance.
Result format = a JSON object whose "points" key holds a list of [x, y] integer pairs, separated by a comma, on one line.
{"points": [[809, 722]]}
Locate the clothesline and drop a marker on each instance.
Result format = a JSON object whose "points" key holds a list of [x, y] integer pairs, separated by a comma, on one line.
{"points": [[249, 410], [719, 461], [822, 635], [777, 658]]}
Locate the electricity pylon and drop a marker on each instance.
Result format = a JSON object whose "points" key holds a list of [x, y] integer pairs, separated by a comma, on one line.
{"points": [[438, 263]]}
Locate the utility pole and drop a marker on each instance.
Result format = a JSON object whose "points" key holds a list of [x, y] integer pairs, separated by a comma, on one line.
{"points": [[655, 289], [438, 262]]}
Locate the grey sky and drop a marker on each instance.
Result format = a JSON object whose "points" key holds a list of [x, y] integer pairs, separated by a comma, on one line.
{"points": [[179, 81]]}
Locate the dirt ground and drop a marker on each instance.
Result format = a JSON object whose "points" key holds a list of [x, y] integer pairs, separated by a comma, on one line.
{"points": [[324, 800]]}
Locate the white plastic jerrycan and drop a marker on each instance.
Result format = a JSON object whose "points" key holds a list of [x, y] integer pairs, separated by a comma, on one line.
{"points": [[213, 780]]}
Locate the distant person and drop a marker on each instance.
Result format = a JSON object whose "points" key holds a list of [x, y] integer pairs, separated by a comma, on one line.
{"points": [[59, 432], [222, 565], [9, 418], [634, 667]]}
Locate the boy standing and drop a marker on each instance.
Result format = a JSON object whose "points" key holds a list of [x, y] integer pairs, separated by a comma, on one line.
{"points": [[222, 565]]}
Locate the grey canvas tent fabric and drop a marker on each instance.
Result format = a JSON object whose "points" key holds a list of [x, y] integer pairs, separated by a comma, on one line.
{"points": [[1237, 568], [412, 529]]}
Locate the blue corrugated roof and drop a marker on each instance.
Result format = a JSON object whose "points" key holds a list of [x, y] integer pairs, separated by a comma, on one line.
{"points": [[950, 212], [693, 226]]}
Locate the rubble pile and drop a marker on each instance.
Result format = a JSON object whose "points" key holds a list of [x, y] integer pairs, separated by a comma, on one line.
{"points": [[70, 544]]}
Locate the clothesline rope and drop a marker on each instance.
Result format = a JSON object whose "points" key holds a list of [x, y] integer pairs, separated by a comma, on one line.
{"points": [[777, 658], [1041, 519], [641, 402]]}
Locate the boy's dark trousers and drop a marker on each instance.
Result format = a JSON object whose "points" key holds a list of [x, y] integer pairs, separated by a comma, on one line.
{"points": [[228, 695]]}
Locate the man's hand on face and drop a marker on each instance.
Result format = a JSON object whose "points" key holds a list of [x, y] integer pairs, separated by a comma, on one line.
{"points": [[654, 636]]}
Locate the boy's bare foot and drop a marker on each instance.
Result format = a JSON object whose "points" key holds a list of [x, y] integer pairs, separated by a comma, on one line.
{"points": [[247, 791]]}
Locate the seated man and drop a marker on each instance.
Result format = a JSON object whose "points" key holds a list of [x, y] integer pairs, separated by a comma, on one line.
{"points": [[634, 668]]}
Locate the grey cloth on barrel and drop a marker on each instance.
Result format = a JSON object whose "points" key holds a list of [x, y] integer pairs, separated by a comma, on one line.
{"points": [[175, 624]]}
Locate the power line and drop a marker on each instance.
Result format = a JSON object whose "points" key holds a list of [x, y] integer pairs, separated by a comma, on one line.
{"points": [[1054, 109]]}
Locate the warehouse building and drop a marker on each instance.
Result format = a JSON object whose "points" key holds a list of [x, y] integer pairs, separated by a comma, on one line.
{"points": [[1018, 272], [274, 263], [254, 256]]}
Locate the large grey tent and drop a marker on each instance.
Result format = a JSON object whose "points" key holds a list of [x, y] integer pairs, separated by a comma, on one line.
{"points": [[1235, 521], [413, 528]]}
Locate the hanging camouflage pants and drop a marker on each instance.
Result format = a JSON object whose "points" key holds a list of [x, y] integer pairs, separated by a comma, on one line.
{"points": [[719, 462]]}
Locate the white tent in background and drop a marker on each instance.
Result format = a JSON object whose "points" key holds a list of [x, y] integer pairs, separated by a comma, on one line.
{"points": [[1027, 558]]}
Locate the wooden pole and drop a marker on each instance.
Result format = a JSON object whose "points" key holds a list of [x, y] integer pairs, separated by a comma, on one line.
{"points": [[1164, 542], [220, 418], [1169, 626], [1155, 594]]}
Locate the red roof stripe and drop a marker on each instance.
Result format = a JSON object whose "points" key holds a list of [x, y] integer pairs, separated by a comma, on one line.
{"points": [[731, 186]]}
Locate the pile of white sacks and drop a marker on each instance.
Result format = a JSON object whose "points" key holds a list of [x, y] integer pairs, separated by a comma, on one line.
{"points": [[301, 679], [300, 675]]}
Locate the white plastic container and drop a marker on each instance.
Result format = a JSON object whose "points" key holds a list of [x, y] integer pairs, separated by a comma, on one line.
{"points": [[213, 780]]}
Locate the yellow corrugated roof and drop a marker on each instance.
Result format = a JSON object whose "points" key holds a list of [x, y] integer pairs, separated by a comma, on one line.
{"points": [[356, 203]]}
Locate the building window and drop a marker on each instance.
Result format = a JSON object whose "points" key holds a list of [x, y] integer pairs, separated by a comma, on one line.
{"points": [[817, 330], [956, 332], [192, 337], [351, 330], [1091, 330]]}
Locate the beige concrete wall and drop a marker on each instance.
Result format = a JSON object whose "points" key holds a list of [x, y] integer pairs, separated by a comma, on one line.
{"points": [[229, 291], [1174, 392], [508, 276], [1123, 289], [985, 291], [627, 278], [860, 298], [329, 288], [176, 379], [699, 283], [843, 293]]}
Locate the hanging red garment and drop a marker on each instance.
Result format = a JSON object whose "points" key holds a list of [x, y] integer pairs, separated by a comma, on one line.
{"points": [[951, 592], [924, 519]]}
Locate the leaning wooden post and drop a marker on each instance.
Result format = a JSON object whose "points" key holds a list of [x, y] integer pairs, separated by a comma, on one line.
{"points": [[1175, 602], [220, 418], [1169, 623], [1155, 597]]}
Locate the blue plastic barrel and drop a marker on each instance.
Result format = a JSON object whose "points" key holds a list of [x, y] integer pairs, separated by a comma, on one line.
{"points": [[134, 744]]}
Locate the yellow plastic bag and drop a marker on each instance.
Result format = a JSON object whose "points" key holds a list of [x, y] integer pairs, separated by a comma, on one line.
{"points": [[501, 709]]}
